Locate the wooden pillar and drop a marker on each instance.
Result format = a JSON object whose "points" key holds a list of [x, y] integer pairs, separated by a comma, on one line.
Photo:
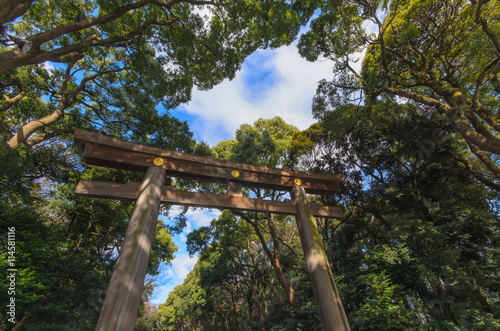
{"points": [[234, 189], [331, 311], [120, 307]]}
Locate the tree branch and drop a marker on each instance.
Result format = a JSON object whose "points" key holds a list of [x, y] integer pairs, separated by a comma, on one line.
{"points": [[477, 174], [9, 102], [15, 58], [485, 160], [67, 99], [463, 127], [484, 24], [38, 140]]}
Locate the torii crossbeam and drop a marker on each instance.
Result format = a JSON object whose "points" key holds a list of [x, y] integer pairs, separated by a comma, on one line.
{"points": [[124, 292]]}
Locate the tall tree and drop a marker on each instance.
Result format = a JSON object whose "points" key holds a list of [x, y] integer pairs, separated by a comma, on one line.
{"points": [[56, 30], [249, 269], [117, 61], [440, 55], [266, 143], [65, 247], [420, 239]]}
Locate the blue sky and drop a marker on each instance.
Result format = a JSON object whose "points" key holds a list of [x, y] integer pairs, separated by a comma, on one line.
{"points": [[174, 274], [270, 83]]}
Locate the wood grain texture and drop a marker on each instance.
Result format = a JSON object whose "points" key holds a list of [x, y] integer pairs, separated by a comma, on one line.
{"points": [[124, 292], [328, 300], [113, 157], [130, 191], [234, 189], [83, 136], [107, 151]]}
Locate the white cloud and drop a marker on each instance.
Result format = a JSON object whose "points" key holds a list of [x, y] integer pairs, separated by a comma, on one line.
{"points": [[174, 274], [372, 28], [183, 237], [196, 217], [271, 83], [201, 217], [182, 265], [48, 66]]}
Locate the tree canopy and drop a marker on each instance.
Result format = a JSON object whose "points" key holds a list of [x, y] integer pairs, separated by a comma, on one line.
{"points": [[440, 55], [117, 67], [413, 127], [109, 65], [418, 248]]}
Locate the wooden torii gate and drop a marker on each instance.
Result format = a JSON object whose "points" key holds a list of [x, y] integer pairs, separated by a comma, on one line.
{"points": [[123, 296]]}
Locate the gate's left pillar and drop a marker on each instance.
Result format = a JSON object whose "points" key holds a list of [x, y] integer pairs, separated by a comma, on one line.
{"points": [[120, 307]]}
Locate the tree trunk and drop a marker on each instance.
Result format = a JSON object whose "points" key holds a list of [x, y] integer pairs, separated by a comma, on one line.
{"points": [[275, 261], [21, 324], [256, 301], [26, 131], [278, 270], [12, 9]]}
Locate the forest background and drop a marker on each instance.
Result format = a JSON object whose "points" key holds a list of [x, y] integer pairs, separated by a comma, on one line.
{"points": [[414, 128]]}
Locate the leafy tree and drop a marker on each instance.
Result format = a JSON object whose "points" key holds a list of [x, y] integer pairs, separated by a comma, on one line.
{"points": [[184, 306], [250, 270], [238, 274], [417, 248], [418, 245], [117, 61], [67, 29], [66, 250], [66, 247], [108, 66], [439, 55], [266, 143], [408, 131]]}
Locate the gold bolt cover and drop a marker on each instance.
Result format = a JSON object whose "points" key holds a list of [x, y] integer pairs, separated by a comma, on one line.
{"points": [[297, 181], [235, 173], [158, 161]]}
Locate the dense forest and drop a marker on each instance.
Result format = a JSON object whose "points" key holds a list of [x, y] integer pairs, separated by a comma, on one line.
{"points": [[416, 132]]}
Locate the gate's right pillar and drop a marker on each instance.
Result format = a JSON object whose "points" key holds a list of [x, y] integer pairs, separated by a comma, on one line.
{"points": [[331, 311]]}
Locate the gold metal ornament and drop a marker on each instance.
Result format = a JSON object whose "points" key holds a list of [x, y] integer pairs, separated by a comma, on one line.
{"points": [[158, 161], [235, 173], [297, 181]]}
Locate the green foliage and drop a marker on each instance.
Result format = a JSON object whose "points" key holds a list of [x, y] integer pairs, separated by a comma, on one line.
{"points": [[248, 263], [441, 56], [419, 245], [117, 62], [265, 143], [383, 307], [415, 132], [55, 284], [409, 165], [183, 306], [65, 246], [163, 248], [106, 65]]}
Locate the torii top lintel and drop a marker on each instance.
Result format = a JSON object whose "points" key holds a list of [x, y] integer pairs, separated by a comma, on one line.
{"points": [[108, 151]]}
